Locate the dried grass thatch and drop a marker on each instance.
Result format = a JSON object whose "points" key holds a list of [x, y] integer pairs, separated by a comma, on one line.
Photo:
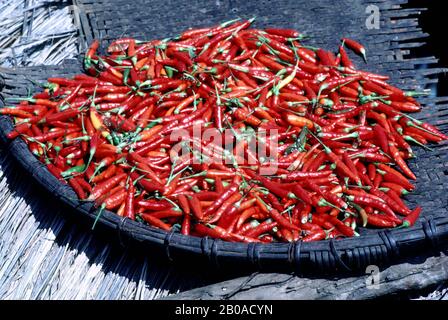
{"points": [[34, 32]]}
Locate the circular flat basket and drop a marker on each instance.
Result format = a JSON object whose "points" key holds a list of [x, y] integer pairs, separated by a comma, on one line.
{"points": [[373, 247]]}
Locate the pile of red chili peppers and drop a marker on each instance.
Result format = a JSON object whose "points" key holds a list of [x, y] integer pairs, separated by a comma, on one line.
{"points": [[344, 135]]}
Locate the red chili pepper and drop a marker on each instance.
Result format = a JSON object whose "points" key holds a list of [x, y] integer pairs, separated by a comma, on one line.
{"points": [[396, 187], [364, 200], [129, 207], [394, 176], [195, 207], [153, 221], [84, 184], [15, 112], [262, 228], [356, 47], [340, 164], [345, 59], [171, 213], [351, 165], [103, 187], [287, 33], [89, 55], [183, 202], [372, 171], [397, 207], [282, 221], [226, 204], [327, 195], [246, 214], [381, 221], [410, 220], [345, 230], [218, 232], [322, 221], [400, 162], [315, 236], [115, 200], [140, 162], [77, 188], [224, 196], [381, 136], [56, 133]]}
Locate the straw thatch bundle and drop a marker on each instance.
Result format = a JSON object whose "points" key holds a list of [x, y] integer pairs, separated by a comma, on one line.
{"points": [[34, 32]]}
